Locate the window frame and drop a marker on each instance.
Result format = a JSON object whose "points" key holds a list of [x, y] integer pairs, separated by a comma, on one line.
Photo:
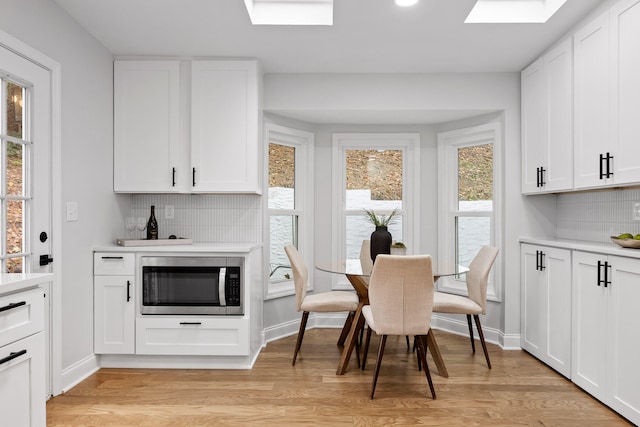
{"points": [[448, 144], [303, 142], [409, 143]]}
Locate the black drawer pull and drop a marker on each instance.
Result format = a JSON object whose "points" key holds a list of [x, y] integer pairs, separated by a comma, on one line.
{"points": [[128, 291], [112, 257], [13, 305], [12, 356], [191, 323]]}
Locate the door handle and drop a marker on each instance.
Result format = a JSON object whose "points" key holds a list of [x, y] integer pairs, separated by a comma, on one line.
{"points": [[12, 356], [45, 260], [13, 305], [128, 291]]}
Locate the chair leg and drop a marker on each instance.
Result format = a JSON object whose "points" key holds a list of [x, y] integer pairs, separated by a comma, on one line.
{"points": [[422, 353], [346, 328], [484, 345], [473, 343], [383, 341], [408, 343], [366, 348], [303, 326]]}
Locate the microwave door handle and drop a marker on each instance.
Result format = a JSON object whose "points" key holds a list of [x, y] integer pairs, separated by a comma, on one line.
{"points": [[221, 286]]}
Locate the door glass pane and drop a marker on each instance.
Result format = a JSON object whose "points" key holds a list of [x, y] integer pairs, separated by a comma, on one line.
{"points": [[374, 179], [15, 265], [14, 178], [284, 231], [14, 226], [282, 173], [475, 178], [15, 95], [471, 234]]}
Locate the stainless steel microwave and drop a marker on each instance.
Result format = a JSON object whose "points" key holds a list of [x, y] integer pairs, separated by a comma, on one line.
{"points": [[174, 285]]}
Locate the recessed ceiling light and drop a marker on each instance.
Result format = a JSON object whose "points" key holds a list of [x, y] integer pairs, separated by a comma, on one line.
{"points": [[290, 12], [406, 2], [513, 11]]}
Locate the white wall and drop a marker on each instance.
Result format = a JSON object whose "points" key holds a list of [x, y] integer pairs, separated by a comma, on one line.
{"points": [[406, 92], [87, 161]]}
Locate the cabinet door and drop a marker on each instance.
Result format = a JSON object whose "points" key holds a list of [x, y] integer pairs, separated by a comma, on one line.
{"points": [[589, 335], [532, 300], [114, 321], [591, 102], [623, 373], [22, 382], [625, 84], [559, 152], [534, 125], [556, 321], [225, 147], [146, 125]]}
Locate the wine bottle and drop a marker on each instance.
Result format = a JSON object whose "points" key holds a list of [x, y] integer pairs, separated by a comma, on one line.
{"points": [[152, 225]]}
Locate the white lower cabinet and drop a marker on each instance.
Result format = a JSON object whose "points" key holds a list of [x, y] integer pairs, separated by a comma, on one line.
{"points": [[546, 305], [197, 336], [606, 292], [114, 303], [22, 382], [22, 359]]}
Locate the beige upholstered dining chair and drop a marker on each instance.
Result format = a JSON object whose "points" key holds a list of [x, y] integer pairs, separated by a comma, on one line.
{"points": [[325, 302], [476, 301], [365, 257], [400, 302]]}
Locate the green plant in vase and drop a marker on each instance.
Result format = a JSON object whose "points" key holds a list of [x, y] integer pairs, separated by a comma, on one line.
{"points": [[380, 238]]}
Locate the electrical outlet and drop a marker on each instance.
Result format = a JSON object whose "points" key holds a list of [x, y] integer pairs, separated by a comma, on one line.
{"points": [[72, 211], [636, 211], [168, 212]]}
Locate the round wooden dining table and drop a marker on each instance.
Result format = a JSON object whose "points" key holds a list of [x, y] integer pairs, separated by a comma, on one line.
{"points": [[359, 280]]}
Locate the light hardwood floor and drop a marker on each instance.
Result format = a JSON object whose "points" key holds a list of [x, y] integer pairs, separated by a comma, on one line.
{"points": [[519, 390]]}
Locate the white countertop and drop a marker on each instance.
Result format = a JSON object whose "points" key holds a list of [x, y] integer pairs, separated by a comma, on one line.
{"points": [[601, 248], [195, 248], [12, 282]]}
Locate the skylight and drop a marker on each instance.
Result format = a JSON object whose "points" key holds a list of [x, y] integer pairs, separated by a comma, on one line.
{"points": [[290, 12], [513, 11]]}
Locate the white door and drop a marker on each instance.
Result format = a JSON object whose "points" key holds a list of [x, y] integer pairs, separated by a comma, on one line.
{"points": [[589, 314], [532, 299], [556, 322], [25, 190], [591, 102], [623, 374], [534, 125]]}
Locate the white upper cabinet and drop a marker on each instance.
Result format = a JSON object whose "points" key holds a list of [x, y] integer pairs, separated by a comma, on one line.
{"points": [[225, 152], [607, 98], [547, 122], [187, 126], [625, 84], [146, 125]]}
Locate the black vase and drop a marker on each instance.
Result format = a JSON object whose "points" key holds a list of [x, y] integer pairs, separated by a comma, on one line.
{"points": [[380, 242]]}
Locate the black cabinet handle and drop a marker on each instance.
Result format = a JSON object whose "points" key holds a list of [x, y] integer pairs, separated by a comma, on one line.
{"points": [[173, 177], [609, 160], [599, 273], [542, 267], [12, 356], [128, 291], [193, 179], [537, 260], [112, 257], [13, 305], [542, 171], [191, 323], [601, 168], [607, 267], [537, 183]]}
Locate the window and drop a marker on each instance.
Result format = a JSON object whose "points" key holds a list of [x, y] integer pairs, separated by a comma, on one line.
{"points": [[468, 162], [289, 203], [15, 189], [378, 172]]}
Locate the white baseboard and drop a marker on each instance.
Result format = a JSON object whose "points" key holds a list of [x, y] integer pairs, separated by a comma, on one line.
{"points": [[316, 320], [491, 335], [78, 372]]}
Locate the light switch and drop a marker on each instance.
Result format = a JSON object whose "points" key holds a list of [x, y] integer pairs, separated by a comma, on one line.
{"points": [[72, 211], [636, 211]]}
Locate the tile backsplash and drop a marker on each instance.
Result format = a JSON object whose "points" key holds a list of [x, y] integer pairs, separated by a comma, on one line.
{"points": [[204, 218], [595, 216]]}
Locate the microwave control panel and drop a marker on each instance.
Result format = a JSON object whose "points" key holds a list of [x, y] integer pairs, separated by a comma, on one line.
{"points": [[232, 291]]}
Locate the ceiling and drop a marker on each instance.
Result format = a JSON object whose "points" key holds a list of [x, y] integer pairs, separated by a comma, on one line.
{"points": [[367, 36]]}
